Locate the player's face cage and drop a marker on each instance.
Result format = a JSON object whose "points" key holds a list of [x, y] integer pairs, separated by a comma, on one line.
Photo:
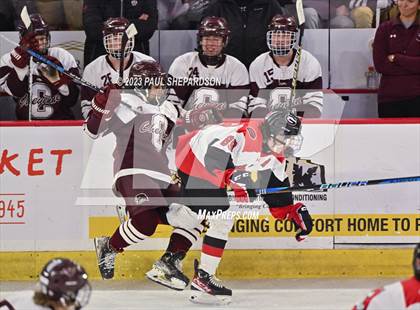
{"points": [[281, 42], [280, 143], [112, 43], [83, 296]]}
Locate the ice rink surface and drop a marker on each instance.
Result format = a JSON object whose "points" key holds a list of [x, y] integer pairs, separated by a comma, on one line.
{"points": [[293, 294]]}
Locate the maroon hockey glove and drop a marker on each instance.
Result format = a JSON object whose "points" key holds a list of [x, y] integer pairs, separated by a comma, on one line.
{"points": [[105, 102], [299, 215], [198, 118], [53, 76], [18, 56]]}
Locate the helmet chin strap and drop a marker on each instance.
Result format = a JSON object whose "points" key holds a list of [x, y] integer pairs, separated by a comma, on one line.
{"points": [[211, 60]]}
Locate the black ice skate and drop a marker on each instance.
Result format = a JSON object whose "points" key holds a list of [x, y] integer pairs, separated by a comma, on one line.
{"points": [[167, 271], [106, 257], [207, 289]]}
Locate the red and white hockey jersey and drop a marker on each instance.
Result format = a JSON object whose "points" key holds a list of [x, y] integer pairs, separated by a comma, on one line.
{"points": [[242, 143], [48, 102], [271, 84], [100, 72], [195, 85], [403, 295]]}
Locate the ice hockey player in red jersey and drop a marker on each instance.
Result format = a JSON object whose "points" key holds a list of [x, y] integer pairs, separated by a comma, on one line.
{"points": [[105, 69], [63, 285], [141, 172], [53, 94], [219, 158], [272, 73], [402, 295]]}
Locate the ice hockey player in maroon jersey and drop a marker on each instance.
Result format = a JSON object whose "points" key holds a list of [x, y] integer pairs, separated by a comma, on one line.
{"points": [[272, 73], [208, 79], [105, 69], [402, 295], [140, 121], [53, 94], [219, 158], [63, 285]]}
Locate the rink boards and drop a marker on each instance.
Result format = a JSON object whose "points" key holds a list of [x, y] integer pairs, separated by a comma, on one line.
{"points": [[55, 196]]}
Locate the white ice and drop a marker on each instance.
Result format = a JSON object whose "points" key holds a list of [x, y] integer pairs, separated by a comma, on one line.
{"points": [[247, 294]]}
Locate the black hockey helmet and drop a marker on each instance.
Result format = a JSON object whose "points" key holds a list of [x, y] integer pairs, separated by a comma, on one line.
{"points": [[38, 27], [282, 27], [416, 261], [213, 26], [145, 76], [65, 281], [281, 133], [281, 123], [113, 31]]}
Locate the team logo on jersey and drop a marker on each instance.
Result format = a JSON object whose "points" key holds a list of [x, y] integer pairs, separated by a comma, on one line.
{"points": [[134, 2], [251, 133], [292, 120], [141, 198]]}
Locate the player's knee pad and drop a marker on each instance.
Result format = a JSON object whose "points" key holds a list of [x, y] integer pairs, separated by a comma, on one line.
{"points": [[181, 216], [219, 228], [299, 215]]}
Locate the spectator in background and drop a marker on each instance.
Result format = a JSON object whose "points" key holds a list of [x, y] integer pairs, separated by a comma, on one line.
{"points": [[312, 18], [7, 15], [53, 13], [180, 14], [399, 295], [63, 285], [389, 10], [353, 13], [248, 20], [143, 14], [396, 54]]}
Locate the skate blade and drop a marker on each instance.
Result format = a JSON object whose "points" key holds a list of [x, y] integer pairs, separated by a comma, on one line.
{"points": [[159, 278], [95, 241], [199, 297]]}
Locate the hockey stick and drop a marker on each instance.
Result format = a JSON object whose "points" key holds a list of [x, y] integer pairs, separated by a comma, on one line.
{"points": [[63, 71], [24, 16], [345, 184], [60, 69], [130, 32], [301, 21]]}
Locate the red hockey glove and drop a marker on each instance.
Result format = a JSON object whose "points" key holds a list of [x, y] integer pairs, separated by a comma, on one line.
{"points": [[299, 215], [198, 118], [105, 102], [239, 182], [53, 76]]}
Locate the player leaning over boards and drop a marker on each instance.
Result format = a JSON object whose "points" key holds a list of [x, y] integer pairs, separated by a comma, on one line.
{"points": [[63, 285], [141, 173], [219, 158], [272, 74], [52, 93], [402, 295]]}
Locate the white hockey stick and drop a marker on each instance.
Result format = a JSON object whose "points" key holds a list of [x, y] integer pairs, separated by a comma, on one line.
{"points": [[301, 22], [24, 16]]}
